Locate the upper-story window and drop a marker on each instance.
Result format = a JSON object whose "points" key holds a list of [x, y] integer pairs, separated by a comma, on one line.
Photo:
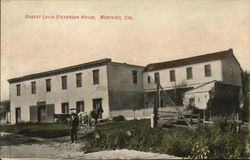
{"points": [[172, 76], [48, 85], [149, 79], [134, 74], [189, 73], [157, 77], [64, 82], [96, 76], [33, 87], [18, 90], [208, 72], [79, 80]]}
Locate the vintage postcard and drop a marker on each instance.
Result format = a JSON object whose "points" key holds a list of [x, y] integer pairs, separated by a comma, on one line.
{"points": [[141, 79]]}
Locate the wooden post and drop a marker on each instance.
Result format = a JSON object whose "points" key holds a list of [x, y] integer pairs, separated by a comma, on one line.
{"points": [[199, 116], [156, 105], [159, 96], [152, 121], [204, 116]]}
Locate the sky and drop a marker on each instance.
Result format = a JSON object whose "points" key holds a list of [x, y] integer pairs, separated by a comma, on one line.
{"points": [[156, 31]]}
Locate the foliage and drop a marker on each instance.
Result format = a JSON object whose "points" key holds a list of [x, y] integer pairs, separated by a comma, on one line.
{"points": [[222, 141], [44, 130], [219, 141], [119, 118], [244, 114]]}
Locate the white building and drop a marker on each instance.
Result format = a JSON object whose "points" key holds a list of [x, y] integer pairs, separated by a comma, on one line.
{"points": [[86, 86], [119, 88], [194, 78]]}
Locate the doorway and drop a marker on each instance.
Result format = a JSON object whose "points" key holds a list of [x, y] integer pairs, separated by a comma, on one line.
{"points": [[97, 105], [18, 115], [41, 111]]}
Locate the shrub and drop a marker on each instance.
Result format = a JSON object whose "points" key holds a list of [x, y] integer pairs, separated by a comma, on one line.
{"points": [[219, 142], [200, 150], [118, 118], [211, 143]]}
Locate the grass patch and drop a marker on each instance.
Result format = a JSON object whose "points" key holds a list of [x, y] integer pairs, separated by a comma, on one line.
{"points": [[220, 141], [44, 130]]}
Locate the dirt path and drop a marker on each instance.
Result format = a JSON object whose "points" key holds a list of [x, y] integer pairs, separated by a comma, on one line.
{"points": [[18, 146]]}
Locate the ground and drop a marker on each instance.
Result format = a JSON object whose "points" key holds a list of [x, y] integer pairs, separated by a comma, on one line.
{"points": [[19, 146]]}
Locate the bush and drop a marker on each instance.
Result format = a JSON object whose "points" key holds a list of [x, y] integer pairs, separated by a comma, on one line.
{"points": [[220, 141], [118, 118]]}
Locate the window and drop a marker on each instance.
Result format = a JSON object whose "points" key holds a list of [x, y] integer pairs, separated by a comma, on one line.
{"points": [[208, 72], [189, 73], [134, 77], [18, 90], [79, 106], [64, 82], [149, 80], [96, 76], [65, 107], [33, 87], [172, 76], [79, 80], [157, 77], [48, 85]]}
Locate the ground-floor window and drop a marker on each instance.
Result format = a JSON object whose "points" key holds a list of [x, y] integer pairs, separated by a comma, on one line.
{"points": [[80, 106], [65, 107]]}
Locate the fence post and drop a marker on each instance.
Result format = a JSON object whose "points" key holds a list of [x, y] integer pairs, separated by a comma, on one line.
{"points": [[152, 121]]}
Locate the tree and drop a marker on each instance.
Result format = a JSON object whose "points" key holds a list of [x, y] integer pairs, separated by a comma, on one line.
{"points": [[246, 96]]}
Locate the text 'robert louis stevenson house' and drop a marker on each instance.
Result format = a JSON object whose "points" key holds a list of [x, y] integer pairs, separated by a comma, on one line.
{"points": [[125, 89]]}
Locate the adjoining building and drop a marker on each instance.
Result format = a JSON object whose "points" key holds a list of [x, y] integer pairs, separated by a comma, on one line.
{"points": [[124, 89], [213, 78]]}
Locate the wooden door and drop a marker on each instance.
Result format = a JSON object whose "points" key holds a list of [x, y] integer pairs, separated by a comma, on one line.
{"points": [[97, 104], [33, 114], [18, 115], [50, 110]]}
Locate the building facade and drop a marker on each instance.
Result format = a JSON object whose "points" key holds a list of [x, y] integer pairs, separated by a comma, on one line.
{"points": [[85, 87], [119, 88], [196, 80]]}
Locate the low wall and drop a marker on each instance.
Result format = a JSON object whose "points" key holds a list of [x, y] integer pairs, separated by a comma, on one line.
{"points": [[141, 113]]}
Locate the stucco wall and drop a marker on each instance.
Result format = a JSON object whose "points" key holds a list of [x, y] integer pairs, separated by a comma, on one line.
{"points": [[228, 62], [72, 94], [123, 93], [181, 76]]}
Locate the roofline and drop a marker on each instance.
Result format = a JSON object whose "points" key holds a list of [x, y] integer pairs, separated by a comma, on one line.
{"points": [[78, 67], [202, 85], [230, 50], [132, 65]]}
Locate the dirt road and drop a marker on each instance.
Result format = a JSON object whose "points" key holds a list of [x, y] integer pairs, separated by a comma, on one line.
{"points": [[18, 146]]}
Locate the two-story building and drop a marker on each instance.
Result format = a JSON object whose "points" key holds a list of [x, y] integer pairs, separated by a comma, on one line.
{"points": [[110, 85], [125, 89], [194, 78]]}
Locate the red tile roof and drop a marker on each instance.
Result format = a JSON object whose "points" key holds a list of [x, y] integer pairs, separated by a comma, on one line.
{"points": [[188, 61]]}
